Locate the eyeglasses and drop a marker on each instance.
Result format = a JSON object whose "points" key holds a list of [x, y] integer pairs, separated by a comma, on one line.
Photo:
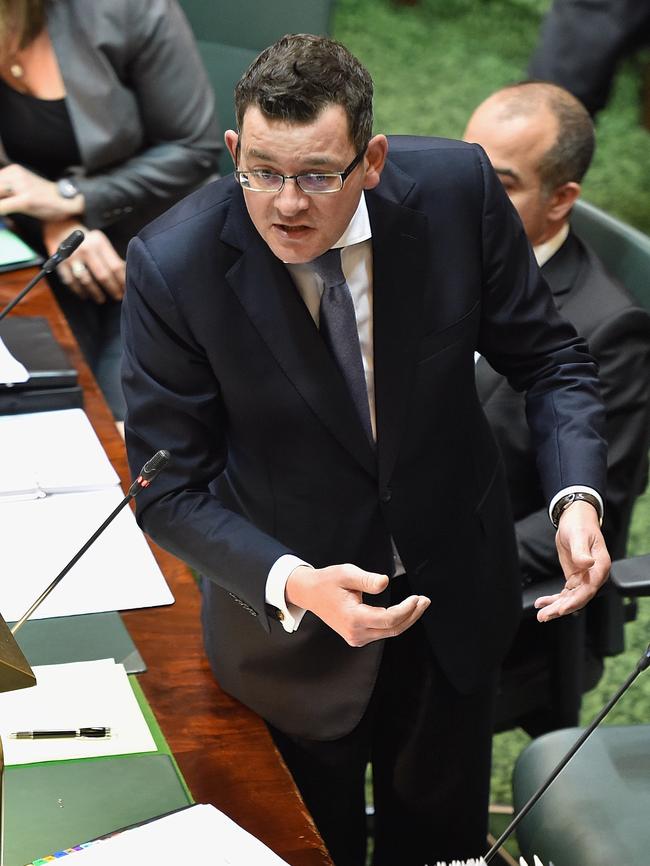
{"points": [[261, 180]]}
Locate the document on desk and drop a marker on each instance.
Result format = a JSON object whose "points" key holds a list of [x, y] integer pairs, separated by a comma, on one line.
{"points": [[39, 538], [51, 452], [69, 697], [14, 252], [12, 372], [199, 834]]}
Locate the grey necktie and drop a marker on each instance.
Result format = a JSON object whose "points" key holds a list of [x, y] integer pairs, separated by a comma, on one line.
{"points": [[338, 325]]}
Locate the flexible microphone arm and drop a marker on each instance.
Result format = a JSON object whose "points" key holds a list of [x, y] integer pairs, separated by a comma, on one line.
{"points": [[147, 474], [65, 249], [642, 664]]}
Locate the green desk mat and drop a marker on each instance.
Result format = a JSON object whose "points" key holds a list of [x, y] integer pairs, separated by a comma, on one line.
{"points": [[86, 637], [52, 806]]}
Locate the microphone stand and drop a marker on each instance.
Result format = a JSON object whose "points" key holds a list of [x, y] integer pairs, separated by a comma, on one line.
{"points": [[15, 672], [642, 664], [65, 249], [148, 472]]}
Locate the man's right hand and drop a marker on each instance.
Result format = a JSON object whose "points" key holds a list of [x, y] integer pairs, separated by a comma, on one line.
{"points": [[334, 594]]}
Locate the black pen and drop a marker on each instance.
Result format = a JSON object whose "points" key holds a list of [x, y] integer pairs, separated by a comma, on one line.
{"points": [[90, 733]]}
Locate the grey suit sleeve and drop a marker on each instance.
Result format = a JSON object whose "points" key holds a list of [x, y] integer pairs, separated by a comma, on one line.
{"points": [[176, 105]]}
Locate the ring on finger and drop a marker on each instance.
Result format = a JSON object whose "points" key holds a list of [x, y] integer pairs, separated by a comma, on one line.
{"points": [[78, 269]]}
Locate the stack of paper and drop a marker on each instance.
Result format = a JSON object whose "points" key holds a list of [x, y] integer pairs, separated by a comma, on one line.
{"points": [[12, 372], [51, 452], [69, 697], [40, 537], [199, 834], [481, 862]]}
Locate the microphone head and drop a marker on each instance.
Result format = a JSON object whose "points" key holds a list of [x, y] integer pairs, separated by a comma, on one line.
{"points": [[65, 249], [152, 467], [70, 244]]}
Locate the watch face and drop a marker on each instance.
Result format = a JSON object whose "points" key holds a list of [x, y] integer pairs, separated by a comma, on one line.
{"points": [[66, 188]]}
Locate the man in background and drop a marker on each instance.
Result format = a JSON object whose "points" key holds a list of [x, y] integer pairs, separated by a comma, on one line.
{"points": [[582, 43], [540, 140]]}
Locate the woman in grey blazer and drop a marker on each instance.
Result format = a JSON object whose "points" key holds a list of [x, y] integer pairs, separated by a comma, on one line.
{"points": [[106, 118]]}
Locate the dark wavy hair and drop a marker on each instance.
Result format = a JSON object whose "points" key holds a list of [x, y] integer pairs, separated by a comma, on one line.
{"points": [[300, 75]]}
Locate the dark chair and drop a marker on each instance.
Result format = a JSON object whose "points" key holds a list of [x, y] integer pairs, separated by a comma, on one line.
{"points": [[539, 690], [230, 35], [596, 811]]}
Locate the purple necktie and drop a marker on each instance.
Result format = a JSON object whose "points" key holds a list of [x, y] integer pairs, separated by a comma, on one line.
{"points": [[338, 325]]}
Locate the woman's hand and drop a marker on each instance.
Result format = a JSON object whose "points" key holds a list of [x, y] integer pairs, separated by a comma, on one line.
{"points": [[22, 191], [94, 271]]}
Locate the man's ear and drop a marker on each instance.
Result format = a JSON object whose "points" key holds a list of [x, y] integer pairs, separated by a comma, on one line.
{"points": [[232, 139], [375, 160], [562, 200]]}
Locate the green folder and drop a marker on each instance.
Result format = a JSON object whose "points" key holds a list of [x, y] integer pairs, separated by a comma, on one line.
{"points": [[14, 253], [82, 638], [51, 807]]}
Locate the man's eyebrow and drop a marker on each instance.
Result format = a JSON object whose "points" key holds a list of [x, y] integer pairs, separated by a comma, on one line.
{"points": [[310, 160], [507, 172]]}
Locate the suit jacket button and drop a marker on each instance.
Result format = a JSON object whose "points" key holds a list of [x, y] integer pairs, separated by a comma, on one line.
{"points": [[386, 495]]}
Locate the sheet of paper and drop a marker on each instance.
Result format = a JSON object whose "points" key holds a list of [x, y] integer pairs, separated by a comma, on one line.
{"points": [[71, 696], [12, 372], [54, 451], [13, 250], [200, 834], [39, 537]]}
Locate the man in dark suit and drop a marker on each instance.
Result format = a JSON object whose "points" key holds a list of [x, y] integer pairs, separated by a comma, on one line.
{"points": [[583, 42], [340, 490], [540, 140]]}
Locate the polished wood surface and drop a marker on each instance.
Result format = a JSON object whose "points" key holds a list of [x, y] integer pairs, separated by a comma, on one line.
{"points": [[223, 749]]}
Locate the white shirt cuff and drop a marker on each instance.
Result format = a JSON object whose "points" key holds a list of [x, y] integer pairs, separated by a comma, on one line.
{"points": [[276, 584], [576, 488]]}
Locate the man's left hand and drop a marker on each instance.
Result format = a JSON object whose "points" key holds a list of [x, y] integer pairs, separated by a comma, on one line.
{"points": [[584, 560]]}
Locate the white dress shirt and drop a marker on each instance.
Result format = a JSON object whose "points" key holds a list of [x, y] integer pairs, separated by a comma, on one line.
{"points": [[356, 261]]}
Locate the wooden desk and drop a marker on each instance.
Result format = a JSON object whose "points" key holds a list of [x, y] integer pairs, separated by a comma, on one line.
{"points": [[223, 749]]}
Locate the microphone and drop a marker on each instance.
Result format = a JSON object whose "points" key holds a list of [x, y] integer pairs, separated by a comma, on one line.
{"points": [[65, 249], [148, 472], [641, 665]]}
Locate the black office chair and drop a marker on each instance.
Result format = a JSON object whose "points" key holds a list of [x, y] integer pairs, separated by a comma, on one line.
{"points": [[539, 690], [231, 33], [596, 811]]}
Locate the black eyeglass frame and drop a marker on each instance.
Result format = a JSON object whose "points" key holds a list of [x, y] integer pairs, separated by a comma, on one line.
{"points": [[342, 175]]}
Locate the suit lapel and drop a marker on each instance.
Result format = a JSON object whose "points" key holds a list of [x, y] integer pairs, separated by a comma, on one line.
{"points": [[273, 304], [561, 270], [400, 256]]}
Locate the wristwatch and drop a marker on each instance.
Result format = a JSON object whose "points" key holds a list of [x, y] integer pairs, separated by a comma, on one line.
{"points": [[563, 503], [67, 188]]}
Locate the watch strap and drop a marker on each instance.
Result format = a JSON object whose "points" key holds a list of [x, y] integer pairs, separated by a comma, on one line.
{"points": [[577, 496]]}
